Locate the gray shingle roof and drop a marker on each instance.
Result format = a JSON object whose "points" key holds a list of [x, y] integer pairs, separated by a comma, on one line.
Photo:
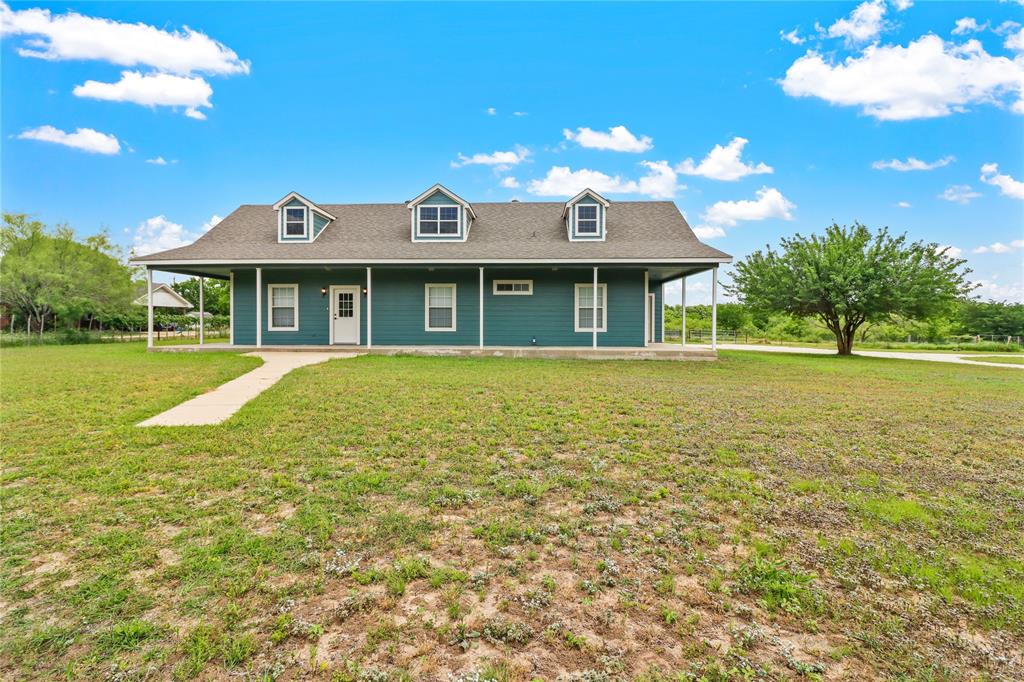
{"points": [[636, 230]]}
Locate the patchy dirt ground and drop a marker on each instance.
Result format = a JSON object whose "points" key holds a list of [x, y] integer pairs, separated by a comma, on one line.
{"points": [[762, 517]]}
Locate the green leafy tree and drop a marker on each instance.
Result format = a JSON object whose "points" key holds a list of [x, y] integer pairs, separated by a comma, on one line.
{"points": [[216, 294], [48, 274], [851, 276]]}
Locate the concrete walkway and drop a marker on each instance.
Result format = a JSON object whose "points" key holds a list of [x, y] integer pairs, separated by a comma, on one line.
{"points": [[951, 358], [222, 402]]}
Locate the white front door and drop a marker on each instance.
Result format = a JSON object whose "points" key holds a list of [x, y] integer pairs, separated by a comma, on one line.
{"points": [[345, 314]]}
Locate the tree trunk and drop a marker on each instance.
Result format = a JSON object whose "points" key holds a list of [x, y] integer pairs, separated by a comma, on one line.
{"points": [[844, 342]]}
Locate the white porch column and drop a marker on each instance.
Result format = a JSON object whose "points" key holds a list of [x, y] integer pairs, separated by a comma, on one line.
{"points": [[593, 319], [682, 308], [369, 307], [259, 307], [231, 308], [714, 308], [648, 311], [202, 321], [481, 306], [149, 307]]}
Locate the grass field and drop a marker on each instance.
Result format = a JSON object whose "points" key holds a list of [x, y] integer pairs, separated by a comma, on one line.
{"points": [[761, 517], [999, 360]]}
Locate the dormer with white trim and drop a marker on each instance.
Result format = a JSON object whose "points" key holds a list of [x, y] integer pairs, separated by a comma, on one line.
{"points": [[299, 220], [440, 215], [585, 215]]}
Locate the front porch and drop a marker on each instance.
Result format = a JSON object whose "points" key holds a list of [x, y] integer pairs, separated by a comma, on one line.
{"points": [[653, 351]]}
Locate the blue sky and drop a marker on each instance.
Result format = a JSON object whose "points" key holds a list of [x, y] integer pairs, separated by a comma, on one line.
{"points": [[367, 103]]}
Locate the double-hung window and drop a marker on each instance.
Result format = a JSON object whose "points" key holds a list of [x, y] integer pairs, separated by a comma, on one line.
{"points": [[284, 307], [295, 221], [586, 219], [586, 311], [438, 220], [439, 304]]}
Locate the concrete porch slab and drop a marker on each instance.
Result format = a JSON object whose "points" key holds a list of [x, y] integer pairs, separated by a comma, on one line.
{"points": [[655, 351]]}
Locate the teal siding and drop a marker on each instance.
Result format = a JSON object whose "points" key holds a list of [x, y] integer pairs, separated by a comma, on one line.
{"points": [[548, 315], [314, 307], [319, 223], [398, 306]]}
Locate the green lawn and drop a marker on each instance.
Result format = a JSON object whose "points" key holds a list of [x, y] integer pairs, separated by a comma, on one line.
{"points": [[999, 360], [766, 516]]}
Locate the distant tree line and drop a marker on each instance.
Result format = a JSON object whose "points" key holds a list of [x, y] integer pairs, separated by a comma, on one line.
{"points": [[52, 280]]}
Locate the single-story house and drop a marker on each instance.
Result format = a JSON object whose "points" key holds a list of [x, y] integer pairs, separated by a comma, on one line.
{"points": [[440, 271]]}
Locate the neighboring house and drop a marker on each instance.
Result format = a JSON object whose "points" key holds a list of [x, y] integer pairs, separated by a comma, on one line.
{"points": [[165, 297], [439, 271]]}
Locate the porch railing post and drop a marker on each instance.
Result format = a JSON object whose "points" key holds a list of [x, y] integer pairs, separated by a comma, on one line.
{"points": [[593, 318], [259, 307], [682, 309], [231, 307], [714, 308], [202, 321], [369, 307], [149, 307]]}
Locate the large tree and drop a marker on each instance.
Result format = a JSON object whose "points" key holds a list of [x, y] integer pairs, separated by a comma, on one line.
{"points": [[851, 276], [216, 294], [49, 274]]}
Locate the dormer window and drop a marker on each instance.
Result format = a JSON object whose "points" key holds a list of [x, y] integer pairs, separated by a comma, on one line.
{"points": [[439, 215], [586, 219], [295, 221], [438, 220]]}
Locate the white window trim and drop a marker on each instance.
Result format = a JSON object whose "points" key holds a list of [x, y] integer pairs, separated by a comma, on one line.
{"points": [[426, 307], [528, 292], [603, 288], [458, 228], [284, 223], [271, 306], [597, 222]]}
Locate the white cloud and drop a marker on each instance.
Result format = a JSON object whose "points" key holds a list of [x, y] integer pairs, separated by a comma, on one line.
{"points": [[158, 161], [968, 25], [151, 90], [192, 112], [659, 183], [999, 247], [769, 204], [724, 163], [509, 182], [902, 5], [793, 37], [1015, 41], [960, 194], [994, 291], [913, 164], [1007, 185], [865, 22], [708, 231], [617, 139], [498, 159], [74, 36], [491, 111], [520, 113], [925, 79], [159, 234], [212, 222], [903, 204], [86, 139], [951, 251]]}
